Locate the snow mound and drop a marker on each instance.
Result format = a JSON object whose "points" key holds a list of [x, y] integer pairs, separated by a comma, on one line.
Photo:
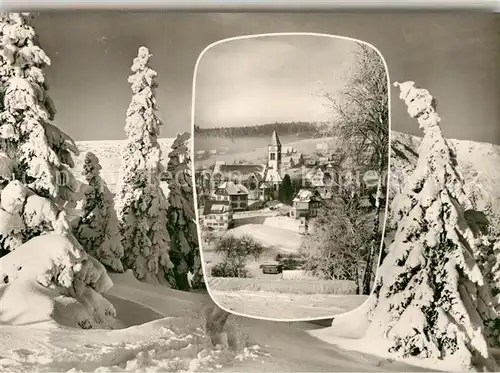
{"points": [[64, 283], [165, 343]]}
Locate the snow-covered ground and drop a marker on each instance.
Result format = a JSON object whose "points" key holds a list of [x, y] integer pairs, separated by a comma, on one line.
{"points": [[109, 154], [259, 154], [279, 239], [163, 331], [285, 306]]}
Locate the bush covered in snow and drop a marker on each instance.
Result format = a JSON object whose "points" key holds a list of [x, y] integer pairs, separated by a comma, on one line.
{"points": [[433, 302], [140, 203], [97, 227]]}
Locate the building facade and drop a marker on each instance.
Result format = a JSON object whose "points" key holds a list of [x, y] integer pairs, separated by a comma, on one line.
{"points": [[306, 204], [235, 194], [218, 215]]}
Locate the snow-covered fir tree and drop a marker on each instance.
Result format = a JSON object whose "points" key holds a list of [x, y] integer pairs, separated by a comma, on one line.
{"points": [[433, 302], [489, 257], [182, 228], [37, 153], [97, 227], [140, 203]]}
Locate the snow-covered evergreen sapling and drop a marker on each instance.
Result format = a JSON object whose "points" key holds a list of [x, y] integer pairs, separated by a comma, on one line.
{"points": [[433, 302], [97, 227], [182, 228], [140, 202], [40, 152]]}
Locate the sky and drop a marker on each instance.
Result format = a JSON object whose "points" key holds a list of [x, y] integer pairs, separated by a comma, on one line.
{"points": [[270, 79], [454, 55]]}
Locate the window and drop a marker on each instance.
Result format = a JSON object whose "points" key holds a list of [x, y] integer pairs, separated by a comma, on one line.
{"points": [[272, 156]]}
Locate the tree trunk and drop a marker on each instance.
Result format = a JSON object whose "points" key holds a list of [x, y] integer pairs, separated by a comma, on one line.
{"points": [[215, 319], [357, 280], [369, 263]]}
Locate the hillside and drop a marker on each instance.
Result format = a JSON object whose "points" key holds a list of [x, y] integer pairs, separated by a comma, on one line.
{"points": [[109, 154], [479, 163], [259, 130]]}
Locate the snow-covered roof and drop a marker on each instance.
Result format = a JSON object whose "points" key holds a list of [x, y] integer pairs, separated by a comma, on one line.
{"points": [[313, 172], [265, 186], [306, 195], [273, 175], [243, 171], [216, 207], [233, 189]]}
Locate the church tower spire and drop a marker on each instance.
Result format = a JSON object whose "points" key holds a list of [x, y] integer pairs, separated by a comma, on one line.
{"points": [[274, 152]]}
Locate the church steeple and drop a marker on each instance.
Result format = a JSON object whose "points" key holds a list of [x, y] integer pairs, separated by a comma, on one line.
{"points": [[275, 140], [274, 152]]}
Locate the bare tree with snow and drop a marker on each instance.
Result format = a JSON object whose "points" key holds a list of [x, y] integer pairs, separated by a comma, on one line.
{"points": [[140, 203], [340, 246], [433, 302], [362, 129], [38, 154], [97, 227]]}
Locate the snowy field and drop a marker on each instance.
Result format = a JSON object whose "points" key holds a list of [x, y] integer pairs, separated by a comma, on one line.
{"points": [[109, 154], [273, 238], [162, 330], [259, 154], [269, 296], [285, 306]]}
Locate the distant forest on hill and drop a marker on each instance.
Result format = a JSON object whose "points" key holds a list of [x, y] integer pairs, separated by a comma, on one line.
{"points": [[291, 128]]}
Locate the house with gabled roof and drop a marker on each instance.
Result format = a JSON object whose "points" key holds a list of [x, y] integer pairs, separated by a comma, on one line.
{"points": [[235, 194], [306, 204], [248, 175], [218, 215]]}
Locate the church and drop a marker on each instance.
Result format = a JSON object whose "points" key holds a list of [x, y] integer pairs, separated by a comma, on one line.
{"points": [[261, 181]]}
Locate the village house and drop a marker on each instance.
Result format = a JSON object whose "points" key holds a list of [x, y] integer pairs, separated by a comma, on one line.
{"points": [[218, 215], [306, 204], [250, 176], [319, 180], [235, 194], [293, 160]]}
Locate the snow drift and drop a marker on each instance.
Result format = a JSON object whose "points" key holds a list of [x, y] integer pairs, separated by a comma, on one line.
{"points": [[57, 276]]}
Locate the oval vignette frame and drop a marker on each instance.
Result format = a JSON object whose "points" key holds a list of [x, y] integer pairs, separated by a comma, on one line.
{"points": [[195, 194]]}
